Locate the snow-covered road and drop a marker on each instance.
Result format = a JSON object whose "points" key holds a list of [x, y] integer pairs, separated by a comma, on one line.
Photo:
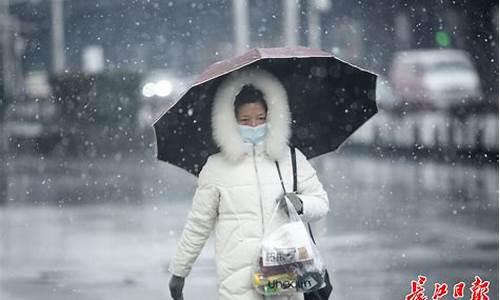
{"points": [[106, 229]]}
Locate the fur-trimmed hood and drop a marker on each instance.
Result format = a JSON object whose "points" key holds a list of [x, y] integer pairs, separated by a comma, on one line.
{"points": [[224, 123]]}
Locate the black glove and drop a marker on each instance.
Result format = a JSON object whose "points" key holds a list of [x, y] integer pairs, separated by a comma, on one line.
{"points": [[176, 284], [294, 199]]}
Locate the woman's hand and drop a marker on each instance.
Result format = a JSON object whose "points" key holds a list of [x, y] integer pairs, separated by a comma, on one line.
{"points": [[176, 285], [294, 199]]}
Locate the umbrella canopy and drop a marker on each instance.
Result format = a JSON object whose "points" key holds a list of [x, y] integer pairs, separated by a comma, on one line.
{"points": [[329, 99]]}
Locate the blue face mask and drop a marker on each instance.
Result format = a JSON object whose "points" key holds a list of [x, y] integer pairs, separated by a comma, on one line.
{"points": [[253, 134]]}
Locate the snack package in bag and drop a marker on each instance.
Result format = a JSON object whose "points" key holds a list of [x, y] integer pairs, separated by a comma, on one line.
{"points": [[289, 261]]}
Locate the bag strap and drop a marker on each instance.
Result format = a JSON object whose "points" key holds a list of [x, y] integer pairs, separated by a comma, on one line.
{"points": [[294, 170], [281, 178]]}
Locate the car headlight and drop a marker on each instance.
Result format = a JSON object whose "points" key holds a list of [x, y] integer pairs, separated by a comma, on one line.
{"points": [[163, 88], [148, 90]]}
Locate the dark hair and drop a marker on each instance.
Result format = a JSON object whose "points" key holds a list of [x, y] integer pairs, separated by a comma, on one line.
{"points": [[249, 94]]}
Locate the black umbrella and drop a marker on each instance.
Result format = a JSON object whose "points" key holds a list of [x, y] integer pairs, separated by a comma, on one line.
{"points": [[329, 99]]}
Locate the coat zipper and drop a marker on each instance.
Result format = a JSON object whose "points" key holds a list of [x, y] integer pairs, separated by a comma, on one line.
{"points": [[260, 189], [260, 196]]}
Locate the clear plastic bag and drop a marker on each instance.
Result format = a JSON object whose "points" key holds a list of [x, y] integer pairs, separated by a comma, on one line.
{"points": [[289, 261]]}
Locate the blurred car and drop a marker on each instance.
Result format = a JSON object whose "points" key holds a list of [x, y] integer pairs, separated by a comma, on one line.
{"points": [[32, 121], [160, 89], [32, 117], [435, 79], [386, 98]]}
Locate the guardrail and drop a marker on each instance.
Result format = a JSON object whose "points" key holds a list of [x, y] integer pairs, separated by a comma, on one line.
{"points": [[438, 132]]}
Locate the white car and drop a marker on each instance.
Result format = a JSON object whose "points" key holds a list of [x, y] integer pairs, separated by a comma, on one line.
{"points": [[435, 78], [386, 98]]}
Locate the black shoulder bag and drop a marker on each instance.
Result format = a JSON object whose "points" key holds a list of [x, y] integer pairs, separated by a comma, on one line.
{"points": [[323, 293]]}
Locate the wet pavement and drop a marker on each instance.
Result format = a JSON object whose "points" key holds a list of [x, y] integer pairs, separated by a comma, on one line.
{"points": [[103, 229]]}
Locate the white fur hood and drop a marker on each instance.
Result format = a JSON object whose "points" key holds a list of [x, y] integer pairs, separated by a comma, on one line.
{"points": [[224, 123]]}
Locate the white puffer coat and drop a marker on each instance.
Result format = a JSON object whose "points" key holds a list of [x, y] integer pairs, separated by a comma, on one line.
{"points": [[238, 187]]}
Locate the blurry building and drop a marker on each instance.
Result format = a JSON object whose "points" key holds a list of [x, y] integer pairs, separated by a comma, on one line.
{"points": [[189, 35]]}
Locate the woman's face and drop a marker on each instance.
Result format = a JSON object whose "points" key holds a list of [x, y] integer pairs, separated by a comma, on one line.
{"points": [[251, 114]]}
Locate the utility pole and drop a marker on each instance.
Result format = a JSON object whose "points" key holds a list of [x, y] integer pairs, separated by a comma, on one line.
{"points": [[58, 57], [7, 51], [291, 22], [314, 25], [8, 87], [240, 13]]}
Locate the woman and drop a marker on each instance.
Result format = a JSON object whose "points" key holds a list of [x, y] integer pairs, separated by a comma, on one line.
{"points": [[239, 186]]}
